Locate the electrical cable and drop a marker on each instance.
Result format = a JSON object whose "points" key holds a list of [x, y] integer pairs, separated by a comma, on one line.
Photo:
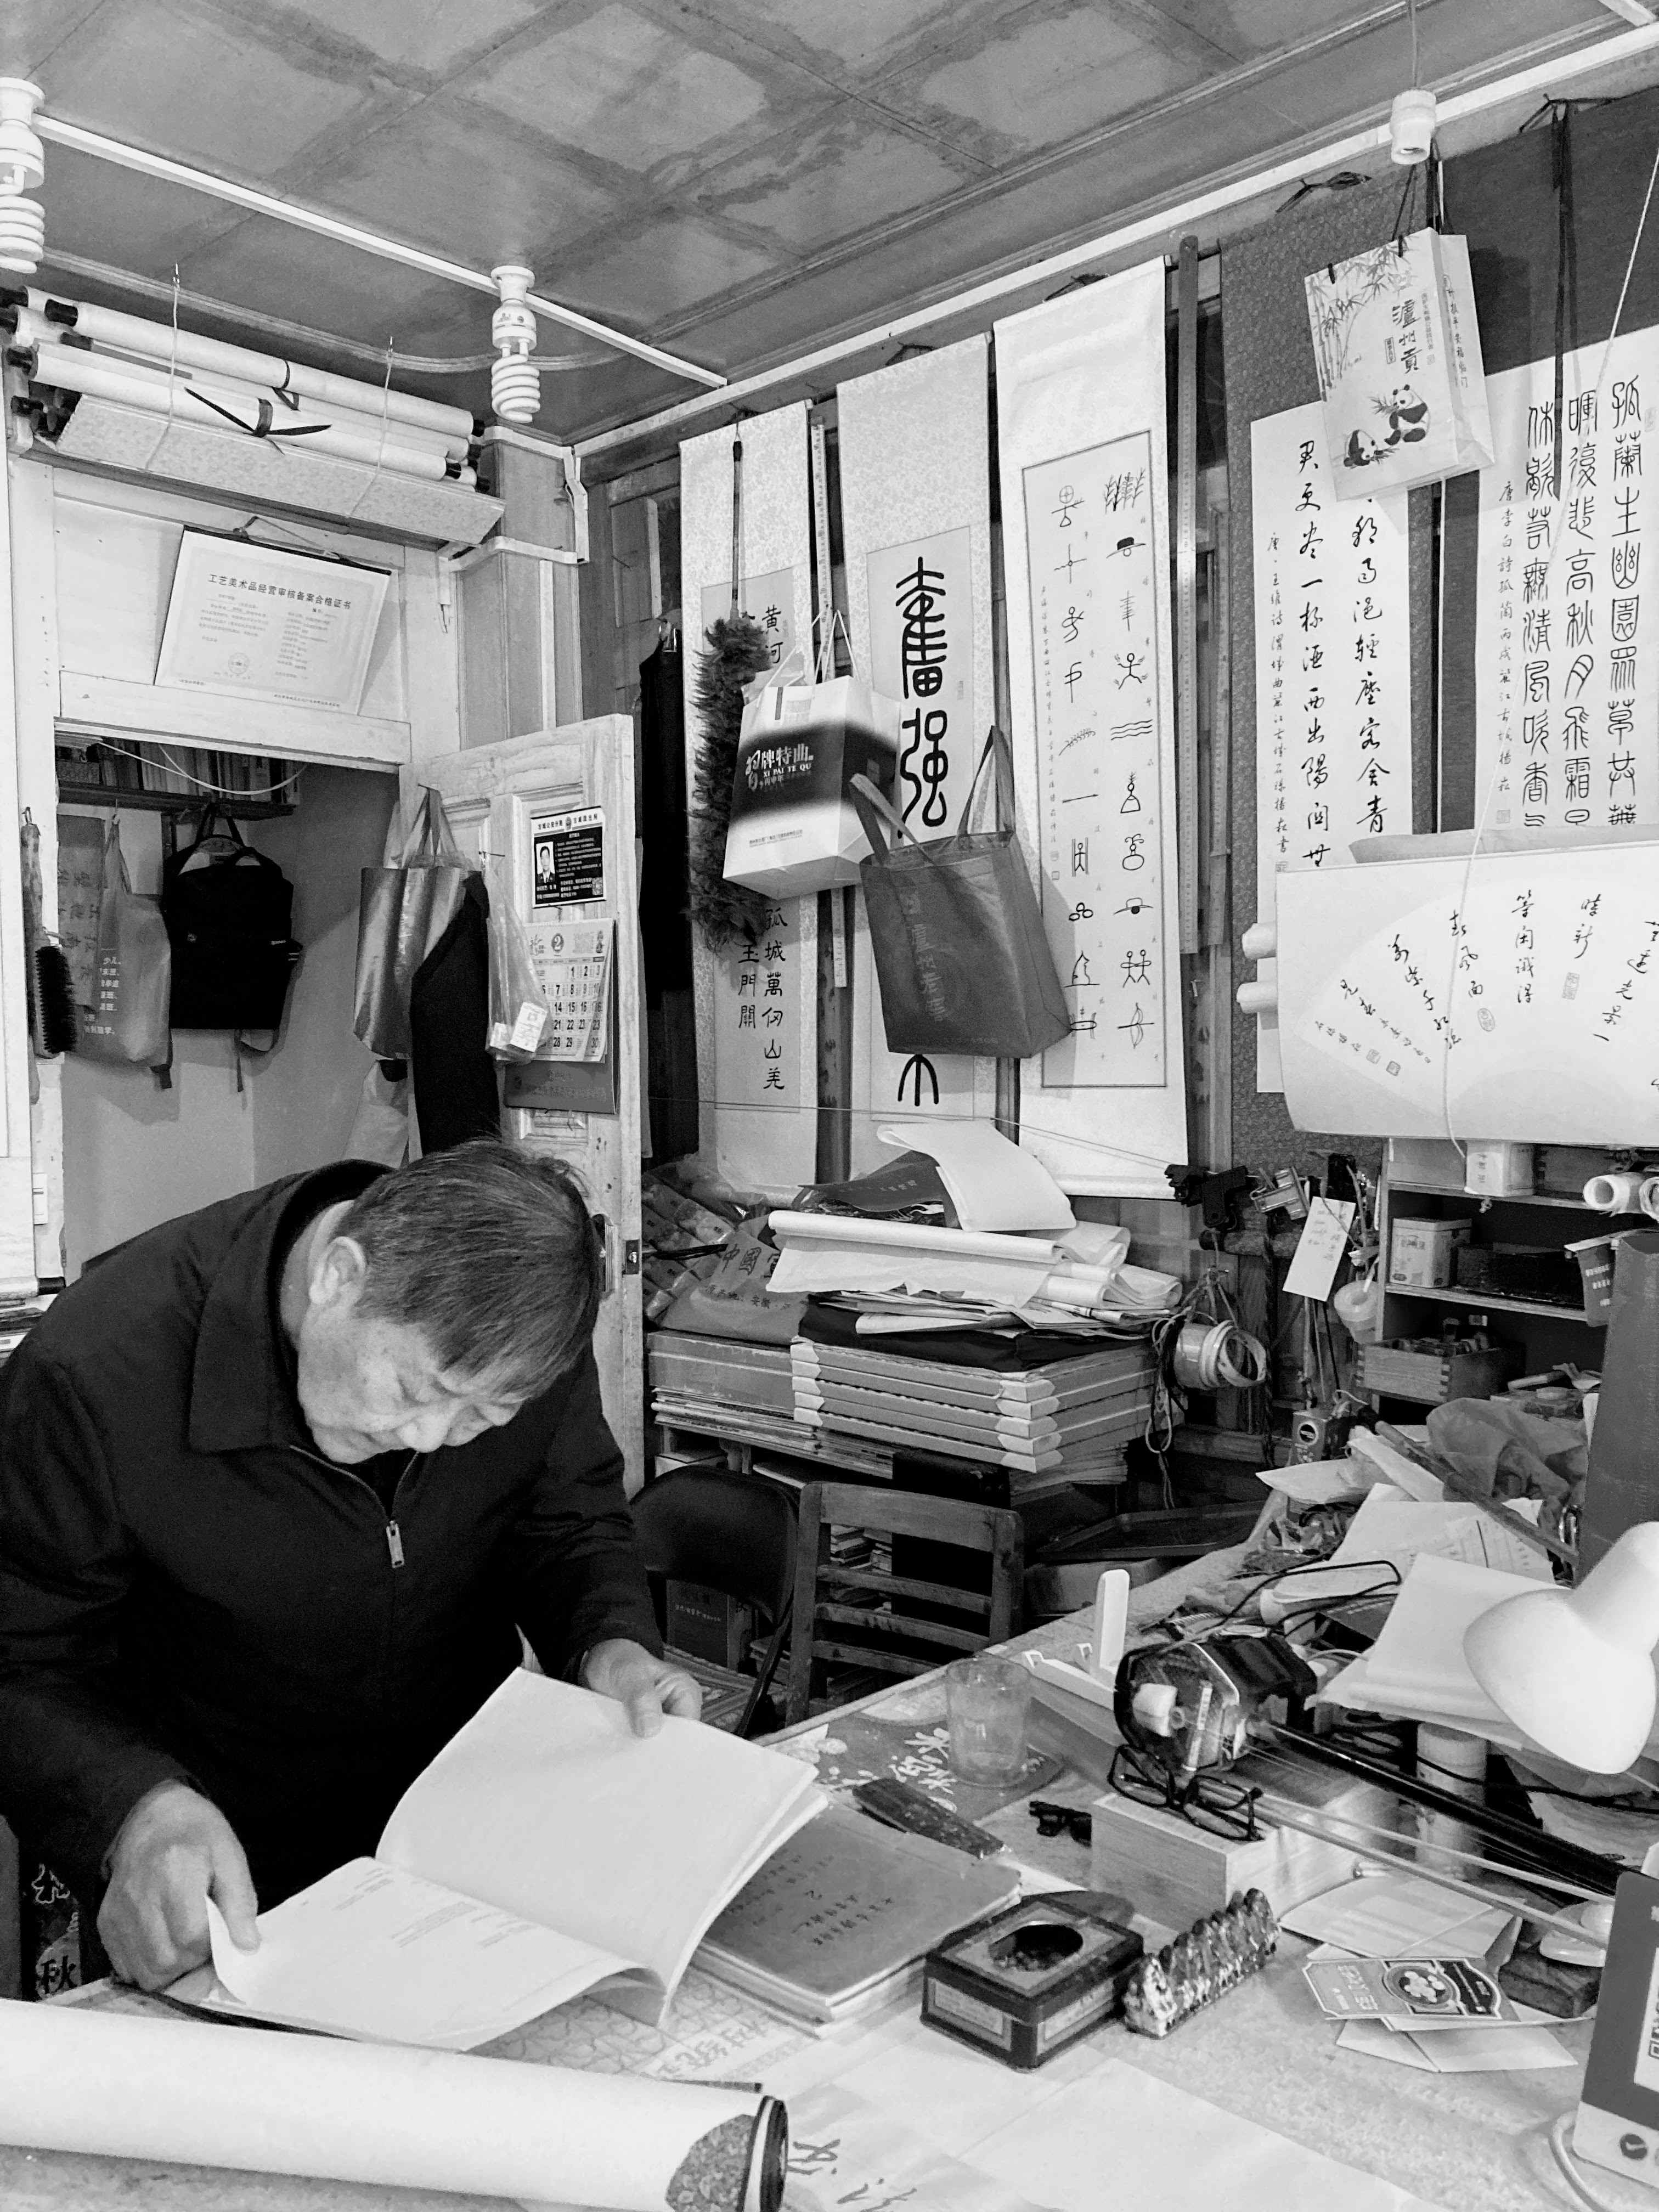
{"points": [[213, 790]]}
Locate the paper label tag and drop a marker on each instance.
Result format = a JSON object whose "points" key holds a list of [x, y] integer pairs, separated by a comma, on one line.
{"points": [[528, 1030]]}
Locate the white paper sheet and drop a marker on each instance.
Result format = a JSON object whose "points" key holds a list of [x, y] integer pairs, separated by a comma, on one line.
{"points": [[1392, 1530], [759, 1114], [1321, 1481], [1320, 1248], [1459, 2049], [1083, 458], [845, 2151], [993, 1185], [75, 2080], [374, 1952], [915, 442], [1333, 668], [1416, 1667], [1398, 1917], [1566, 636]]}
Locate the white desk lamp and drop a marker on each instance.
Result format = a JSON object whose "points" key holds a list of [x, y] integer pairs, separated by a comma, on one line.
{"points": [[1573, 1669]]}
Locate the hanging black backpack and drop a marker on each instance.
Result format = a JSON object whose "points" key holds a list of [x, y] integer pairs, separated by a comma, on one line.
{"points": [[229, 912]]}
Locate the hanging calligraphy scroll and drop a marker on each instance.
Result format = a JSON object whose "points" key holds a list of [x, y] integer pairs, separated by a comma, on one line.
{"points": [[757, 1014], [1083, 444], [1567, 622], [1332, 660], [915, 503]]}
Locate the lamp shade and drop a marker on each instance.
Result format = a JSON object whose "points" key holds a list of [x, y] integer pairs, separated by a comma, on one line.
{"points": [[1573, 1669]]}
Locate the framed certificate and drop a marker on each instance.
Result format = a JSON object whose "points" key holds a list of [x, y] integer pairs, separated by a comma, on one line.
{"points": [[262, 623]]}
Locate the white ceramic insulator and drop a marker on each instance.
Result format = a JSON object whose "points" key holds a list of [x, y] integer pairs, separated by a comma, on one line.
{"points": [[515, 390], [23, 157], [1260, 941], [22, 235], [1257, 998], [1648, 1197]]}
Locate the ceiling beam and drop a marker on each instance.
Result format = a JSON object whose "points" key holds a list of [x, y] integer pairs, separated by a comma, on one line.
{"points": [[343, 232]]}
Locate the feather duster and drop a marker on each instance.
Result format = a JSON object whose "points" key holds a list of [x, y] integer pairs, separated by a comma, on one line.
{"points": [[727, 914]]}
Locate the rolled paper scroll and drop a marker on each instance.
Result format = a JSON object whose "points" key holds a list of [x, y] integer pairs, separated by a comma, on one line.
{"points": [[120, 2086]]}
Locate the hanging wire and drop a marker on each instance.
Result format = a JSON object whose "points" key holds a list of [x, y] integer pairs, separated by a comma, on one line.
{"points": [[213, 790]]}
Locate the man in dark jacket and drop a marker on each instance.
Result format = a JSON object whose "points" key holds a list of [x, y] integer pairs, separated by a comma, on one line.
{"points": [[280, 1483]]}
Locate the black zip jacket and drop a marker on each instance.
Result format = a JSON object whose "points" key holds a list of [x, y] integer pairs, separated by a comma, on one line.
{"points": [[188, 1591]]}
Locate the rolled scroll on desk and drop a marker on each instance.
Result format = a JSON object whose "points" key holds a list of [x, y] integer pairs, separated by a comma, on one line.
{"points": [[78, 2080]]}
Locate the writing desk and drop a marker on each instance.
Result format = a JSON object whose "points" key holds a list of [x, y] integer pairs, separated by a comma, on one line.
{"points": [[1465, 2143]]}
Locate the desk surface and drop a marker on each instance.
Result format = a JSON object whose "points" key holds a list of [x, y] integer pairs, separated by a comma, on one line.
{"points": [[1466, 2143]]}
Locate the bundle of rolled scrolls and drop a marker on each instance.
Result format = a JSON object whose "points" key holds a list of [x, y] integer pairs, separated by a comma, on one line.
{"points": [[1214, 1955]]}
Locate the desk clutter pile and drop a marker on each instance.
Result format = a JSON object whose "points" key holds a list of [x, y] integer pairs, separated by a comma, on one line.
{"points": [[875, 1321]]}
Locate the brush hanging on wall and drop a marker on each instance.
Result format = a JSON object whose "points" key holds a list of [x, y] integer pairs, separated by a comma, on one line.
{"points": [[728, 915]]}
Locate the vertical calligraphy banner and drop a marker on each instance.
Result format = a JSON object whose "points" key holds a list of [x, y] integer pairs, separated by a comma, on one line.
{"points": [[757, 1014], [915, 503], [1333, 668], [1567, 596], [1084, 472]]}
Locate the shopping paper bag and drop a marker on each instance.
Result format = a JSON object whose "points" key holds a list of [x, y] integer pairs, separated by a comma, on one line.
{"points": [[1398, 346], [794, 828], [962, 957], [127, 1020], [405, 906]]}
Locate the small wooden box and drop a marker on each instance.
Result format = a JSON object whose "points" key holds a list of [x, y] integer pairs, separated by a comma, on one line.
{"points": [[1396, 1371], [1176, 1872]]}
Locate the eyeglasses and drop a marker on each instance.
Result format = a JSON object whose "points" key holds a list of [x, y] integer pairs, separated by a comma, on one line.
{"points": [[1207, 1801]]}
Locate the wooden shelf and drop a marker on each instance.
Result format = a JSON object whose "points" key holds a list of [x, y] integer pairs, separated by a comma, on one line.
{"points": [[1493, 1302], [170, 802]]}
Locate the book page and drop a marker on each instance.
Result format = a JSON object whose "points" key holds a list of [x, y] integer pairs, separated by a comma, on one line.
{"points": [[548, 1806], [373, 1952]]}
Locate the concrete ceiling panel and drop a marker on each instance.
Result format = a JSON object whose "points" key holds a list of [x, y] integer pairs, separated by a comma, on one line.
{"points": [[1067, 68], [287, 272], [621, 87], [113, 216], [661, 272], [31, 31], [840, 178], [855, 32], [467, 185], [430, 35], [168, 76]]}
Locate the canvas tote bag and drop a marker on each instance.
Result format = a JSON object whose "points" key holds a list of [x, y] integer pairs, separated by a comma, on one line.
{"points": [[961, 953], [127, 1019], [405, 906]]}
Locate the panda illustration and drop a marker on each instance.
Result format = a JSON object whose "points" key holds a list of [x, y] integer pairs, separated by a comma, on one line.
{"points": [[1408, 416], [1362, 450]]}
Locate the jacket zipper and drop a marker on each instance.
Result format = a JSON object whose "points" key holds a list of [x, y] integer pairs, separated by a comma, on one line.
{"points": [[394, 1534]]}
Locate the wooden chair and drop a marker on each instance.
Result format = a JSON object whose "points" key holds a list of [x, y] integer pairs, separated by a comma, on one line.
{"points": [[904, 1624], [732, 1533]]}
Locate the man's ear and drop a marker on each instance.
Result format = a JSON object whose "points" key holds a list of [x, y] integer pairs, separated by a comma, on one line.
{"points": [[337, 1272]]}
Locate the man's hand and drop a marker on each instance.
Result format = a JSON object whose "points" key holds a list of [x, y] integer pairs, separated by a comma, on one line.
{"points": [[648, 1686], [174, 1849]]}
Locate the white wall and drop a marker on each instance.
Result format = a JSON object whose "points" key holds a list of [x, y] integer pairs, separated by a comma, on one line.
{"points": [[135, 1155]]}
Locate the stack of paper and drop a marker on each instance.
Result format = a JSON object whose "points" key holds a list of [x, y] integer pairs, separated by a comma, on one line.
{"points": [[1069, 1421], [1416, 1669]]}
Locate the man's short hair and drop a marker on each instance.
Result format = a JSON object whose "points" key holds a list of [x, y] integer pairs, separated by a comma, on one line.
{"points": [[490, 1253]]}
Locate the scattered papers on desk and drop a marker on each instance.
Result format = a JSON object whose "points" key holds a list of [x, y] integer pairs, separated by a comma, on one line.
{"points": [[844, 2151], [1404, 1473], [1321, 1481], [1416, 1669], [1459, 2049], [822, 1252], [992, 1184], [1398, 1917], [1391, 1530]]}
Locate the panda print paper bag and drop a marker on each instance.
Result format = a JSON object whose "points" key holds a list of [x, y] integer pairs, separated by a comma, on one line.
{"points": [[1400, 371]]}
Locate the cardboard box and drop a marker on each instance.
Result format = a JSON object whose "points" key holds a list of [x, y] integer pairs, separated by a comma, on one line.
{"points": [[1421, 1252]]}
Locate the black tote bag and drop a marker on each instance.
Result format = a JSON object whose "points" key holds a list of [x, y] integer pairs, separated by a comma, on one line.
{"points": [[961, 953]]}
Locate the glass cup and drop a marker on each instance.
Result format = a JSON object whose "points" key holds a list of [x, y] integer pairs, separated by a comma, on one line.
{"points": [[987, 1701]]}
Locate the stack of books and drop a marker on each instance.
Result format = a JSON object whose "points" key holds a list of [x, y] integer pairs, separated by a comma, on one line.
{"points": [[185, 771], [1068, 1420]]}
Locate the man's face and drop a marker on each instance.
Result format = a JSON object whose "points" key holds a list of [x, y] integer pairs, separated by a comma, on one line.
{"points": [[369, 1385]]}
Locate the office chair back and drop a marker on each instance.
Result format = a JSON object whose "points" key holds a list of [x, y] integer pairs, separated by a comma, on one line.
{"points": [[732, 1533], [866, 1616]]}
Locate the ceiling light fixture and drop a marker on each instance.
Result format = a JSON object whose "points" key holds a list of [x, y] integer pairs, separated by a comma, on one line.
{"points": [[516, 390], [1411, 118], [23, 170]]}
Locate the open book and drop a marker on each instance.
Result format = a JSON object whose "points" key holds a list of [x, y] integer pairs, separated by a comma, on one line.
{"points": [[547, 1849]]}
